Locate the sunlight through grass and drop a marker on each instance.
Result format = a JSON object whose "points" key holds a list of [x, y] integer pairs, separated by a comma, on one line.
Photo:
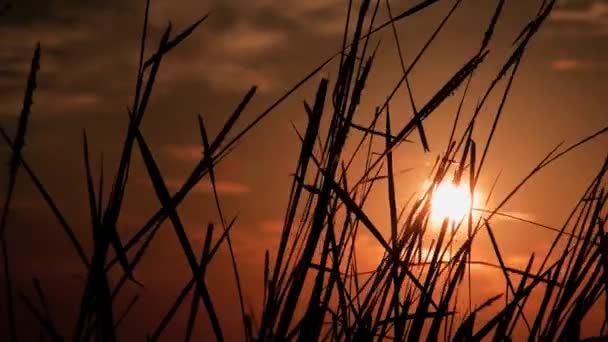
{"points": [[451, 201]]}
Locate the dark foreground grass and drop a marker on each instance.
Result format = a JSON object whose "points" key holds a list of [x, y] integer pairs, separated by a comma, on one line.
{"points": [[313, 287]]}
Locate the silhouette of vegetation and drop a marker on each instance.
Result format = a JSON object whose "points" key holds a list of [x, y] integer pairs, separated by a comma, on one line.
{"points": [[414, 291]]}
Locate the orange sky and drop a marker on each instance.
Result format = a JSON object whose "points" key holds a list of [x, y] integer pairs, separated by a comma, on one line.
{"points": [[88, 66]]}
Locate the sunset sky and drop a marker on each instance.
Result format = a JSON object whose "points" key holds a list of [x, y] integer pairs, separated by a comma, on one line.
{"points": [[87, 76]]}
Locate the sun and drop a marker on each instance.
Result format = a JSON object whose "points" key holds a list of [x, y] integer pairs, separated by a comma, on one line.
{"points": [[451, 201]]}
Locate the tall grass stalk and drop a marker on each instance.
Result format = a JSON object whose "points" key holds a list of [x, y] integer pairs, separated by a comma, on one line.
{"points": [[314, 285]]}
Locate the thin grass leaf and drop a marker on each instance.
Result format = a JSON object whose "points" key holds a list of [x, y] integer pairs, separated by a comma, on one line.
{"points": [[44, 323], [209, 158], [114, 205], [465, 330], [204, 261], [165, 199], [51, 204], [171, 44], [43, 301], [221, 136], [125, 313], [15, 161], [419, 126], [95, 219], [186, 290]]}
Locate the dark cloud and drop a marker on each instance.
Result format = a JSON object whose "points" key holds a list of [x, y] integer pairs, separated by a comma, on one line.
{"points": [[584, 17], [581, 27], [29, 12], [78, 50]]}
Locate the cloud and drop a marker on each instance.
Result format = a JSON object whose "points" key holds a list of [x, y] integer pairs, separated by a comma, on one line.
{"points": [[566, 64], [322, 17], [48, 101], [231, 51], [271, 226], [519, 261], [246, 39], [316, 16], [184, 152], [581, 11], [581, 17], [573, 64], [223, 74], [81, 60], [254, 238], [51, 36], [230, 60], [223, 187], [245, 43], [242, 43]]}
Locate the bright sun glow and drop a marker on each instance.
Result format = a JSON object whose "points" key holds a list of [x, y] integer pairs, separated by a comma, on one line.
{"points": [[450, 201]]}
